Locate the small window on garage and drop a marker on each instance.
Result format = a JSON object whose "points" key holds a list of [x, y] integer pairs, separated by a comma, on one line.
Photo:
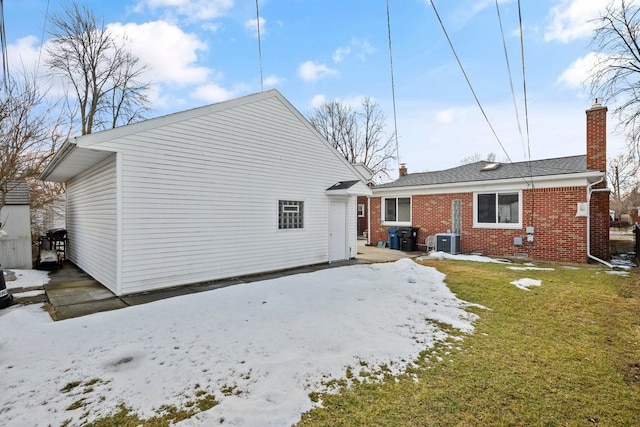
{"points": [[360, 210], [290, 214]]}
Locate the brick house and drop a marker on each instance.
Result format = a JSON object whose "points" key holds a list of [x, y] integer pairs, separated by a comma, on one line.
{"points": [[554, 209]]}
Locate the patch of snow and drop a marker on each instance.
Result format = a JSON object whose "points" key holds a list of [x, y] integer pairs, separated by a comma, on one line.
{"points": [[617, 272], [29, 294], [271, 343], [525, 283], [28, 279], [439, 255]]}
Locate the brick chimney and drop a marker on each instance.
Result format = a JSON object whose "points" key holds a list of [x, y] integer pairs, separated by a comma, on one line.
{"points": [[402, 170], [597, 137]]}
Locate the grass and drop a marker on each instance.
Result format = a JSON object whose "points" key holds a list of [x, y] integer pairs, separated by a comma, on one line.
{"points": [[563, 354]]}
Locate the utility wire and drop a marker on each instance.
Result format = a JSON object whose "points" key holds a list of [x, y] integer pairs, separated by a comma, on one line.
{"points": [[393, 87], [526, 108], [513, 93], [259, 45], [471, 87], [3, 42], [524, 81], [44, 27]]}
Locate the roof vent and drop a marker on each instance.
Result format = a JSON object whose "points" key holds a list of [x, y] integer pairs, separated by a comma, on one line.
{"points": [[490, 166]]}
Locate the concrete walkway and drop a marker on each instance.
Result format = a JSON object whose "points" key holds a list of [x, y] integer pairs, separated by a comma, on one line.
{"points": [[73, 293]]}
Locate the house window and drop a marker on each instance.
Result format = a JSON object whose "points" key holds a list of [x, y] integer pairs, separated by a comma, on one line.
{"points": [[360, 210], [290, 214], [497, 210], [397, 209]]}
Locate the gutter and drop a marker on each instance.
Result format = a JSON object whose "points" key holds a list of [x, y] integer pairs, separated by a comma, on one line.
{"points": [[65, 150], [589, 192]]}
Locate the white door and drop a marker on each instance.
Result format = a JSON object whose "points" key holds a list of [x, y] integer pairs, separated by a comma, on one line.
{"points": [[338, 231]]}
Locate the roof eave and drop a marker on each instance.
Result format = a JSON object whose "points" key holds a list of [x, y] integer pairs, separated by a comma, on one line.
{"points": [[588, 176]]}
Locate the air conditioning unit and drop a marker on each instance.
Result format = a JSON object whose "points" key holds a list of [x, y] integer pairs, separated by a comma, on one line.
{"points": [[448, 242]]}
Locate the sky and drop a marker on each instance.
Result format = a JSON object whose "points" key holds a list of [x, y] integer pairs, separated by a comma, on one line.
{"points": [[206, 51]]}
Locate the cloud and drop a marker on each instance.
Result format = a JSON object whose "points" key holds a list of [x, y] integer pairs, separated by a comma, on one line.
{"points": [[357, 47], [466, 10], [340, 53], [445, 116], [195, 10], [212, 93], [24, 54], [273, 80], [573, 19], [170, 53], [252, 25], [310, 71], [580, 70], [318, 100]]}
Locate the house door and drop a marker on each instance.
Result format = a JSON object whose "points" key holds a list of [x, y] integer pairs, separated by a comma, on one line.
{"points": [[338, 231]]}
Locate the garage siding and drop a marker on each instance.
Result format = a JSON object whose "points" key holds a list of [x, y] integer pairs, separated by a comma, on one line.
{"points": [[91, 222], [200, 196]]}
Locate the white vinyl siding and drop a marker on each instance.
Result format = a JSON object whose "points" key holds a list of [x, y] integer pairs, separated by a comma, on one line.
{"points": [[198, 196], [15, 247], [91, 222]]}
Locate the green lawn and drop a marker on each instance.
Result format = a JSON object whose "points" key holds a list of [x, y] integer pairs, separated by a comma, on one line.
{"points": [[566, 353]]}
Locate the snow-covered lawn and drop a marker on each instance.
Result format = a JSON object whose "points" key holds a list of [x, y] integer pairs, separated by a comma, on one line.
{"points": [[260, 348]]}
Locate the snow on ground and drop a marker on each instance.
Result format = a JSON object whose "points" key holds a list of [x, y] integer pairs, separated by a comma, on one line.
{"points": [[617, 272], [530, 267], [260, 348], [28, 279], [526, 283], [439, 255]]}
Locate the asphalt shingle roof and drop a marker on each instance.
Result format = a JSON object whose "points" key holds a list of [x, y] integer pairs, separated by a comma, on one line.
{"points": [[343, 185], [473, 172], [18, 193]]}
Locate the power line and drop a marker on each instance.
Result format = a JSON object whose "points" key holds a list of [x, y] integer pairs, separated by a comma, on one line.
{"points": [[393, 86], [3, 42], [44, 26], [471, 86], [524, 81], [513, 93], [259, 45]]}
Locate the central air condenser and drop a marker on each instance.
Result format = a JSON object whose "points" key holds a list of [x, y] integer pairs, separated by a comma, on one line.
{"points": [[448, 242]]}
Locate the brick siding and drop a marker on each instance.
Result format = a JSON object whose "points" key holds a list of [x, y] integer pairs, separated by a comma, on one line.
{"points": [[559, 235]]}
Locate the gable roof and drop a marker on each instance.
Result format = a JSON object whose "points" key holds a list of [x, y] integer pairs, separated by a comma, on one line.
{"points": [[17, 194], [474, 172], [81, 153]]}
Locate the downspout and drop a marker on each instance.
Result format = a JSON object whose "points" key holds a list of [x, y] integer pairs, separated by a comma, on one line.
{"points": [[589, 192], [368, 220]]}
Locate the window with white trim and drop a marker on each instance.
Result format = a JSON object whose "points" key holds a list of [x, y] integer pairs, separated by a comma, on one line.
{"points": [[290, 214], [360, 210], [498, 210], [397, 209]]}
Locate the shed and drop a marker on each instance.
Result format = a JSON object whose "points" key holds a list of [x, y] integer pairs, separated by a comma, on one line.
{"points": [[229, 189], [15, 220]]}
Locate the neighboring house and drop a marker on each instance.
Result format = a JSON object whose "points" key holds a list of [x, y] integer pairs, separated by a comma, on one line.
{"points": [[230, 189], [555, 209], [15, 220], [363, 201]]}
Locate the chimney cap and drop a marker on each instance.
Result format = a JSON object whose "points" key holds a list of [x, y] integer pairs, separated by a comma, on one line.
{"points": [[597, 102]]}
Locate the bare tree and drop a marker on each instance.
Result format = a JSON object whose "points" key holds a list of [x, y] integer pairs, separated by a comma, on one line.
{"points": [[476, 157], [616, 73], [622, 176], [30, 132], [105, 76], [359, 135]]}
